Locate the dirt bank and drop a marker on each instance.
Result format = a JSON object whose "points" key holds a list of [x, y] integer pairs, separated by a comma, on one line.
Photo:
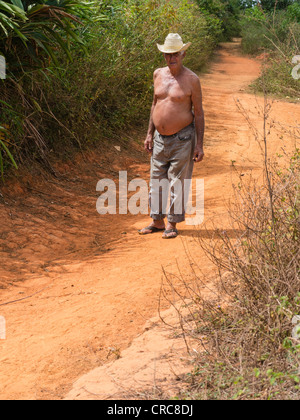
{"points": [[82, 286]]}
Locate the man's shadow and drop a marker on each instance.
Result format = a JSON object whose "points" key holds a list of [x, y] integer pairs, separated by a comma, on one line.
{"points": [[212, 233]]}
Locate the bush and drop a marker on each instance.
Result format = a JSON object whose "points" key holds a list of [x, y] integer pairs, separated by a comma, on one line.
{"points": [[101, 94], [277, 78], [32, 33], [276, 34], [293, 12], [245, 323], [117, 89], [256, 355], [227, 12]]}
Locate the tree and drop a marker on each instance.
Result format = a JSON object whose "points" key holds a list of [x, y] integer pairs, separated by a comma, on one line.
{"points": [[270, 5], [31, 30], [227, 11]]}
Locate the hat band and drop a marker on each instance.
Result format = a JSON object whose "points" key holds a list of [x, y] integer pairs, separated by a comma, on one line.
{"points": [[173, 45]]}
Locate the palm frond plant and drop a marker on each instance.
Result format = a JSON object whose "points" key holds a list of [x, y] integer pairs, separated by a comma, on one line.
{"points": [[33, 33], [4, 149]]}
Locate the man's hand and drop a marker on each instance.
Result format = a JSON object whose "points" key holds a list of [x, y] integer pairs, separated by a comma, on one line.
{"points": [[198, 154], [149, 144]]}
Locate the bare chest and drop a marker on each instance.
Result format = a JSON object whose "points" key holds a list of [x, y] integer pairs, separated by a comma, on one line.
{"points": [[172, 89]]}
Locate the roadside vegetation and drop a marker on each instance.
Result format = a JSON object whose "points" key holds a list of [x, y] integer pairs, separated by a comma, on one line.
{"points": [[79, 73], [247, 320], [273, 32]]}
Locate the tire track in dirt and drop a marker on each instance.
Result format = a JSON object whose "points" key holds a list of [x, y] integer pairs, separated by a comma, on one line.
{"points": [[92, 304]]}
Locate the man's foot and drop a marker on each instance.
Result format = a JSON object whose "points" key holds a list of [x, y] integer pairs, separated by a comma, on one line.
{"points": [[153, 228], [171, 231]]}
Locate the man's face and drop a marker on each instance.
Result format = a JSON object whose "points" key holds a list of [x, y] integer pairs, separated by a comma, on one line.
{"points": [[174, 60]]}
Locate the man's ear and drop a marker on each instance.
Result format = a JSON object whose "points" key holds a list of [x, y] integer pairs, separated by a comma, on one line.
{"points": [[183, 54]]}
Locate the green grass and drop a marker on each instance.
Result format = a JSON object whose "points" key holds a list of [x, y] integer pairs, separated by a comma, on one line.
{"points": [[107, 89], [276, 35]]}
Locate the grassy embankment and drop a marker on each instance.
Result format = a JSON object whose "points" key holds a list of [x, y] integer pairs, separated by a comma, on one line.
{"points": [[79, 85], [277, 35], [250, 326]]}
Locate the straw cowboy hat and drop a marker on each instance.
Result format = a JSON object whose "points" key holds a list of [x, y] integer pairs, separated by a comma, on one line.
{"points": [[173, 44]]}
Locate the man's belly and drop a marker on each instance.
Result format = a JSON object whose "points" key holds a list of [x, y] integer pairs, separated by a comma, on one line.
{"points": [[170, 118]]}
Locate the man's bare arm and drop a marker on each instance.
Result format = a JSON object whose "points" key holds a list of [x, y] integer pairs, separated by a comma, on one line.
{"points": [[151, 128], [199, 119]]}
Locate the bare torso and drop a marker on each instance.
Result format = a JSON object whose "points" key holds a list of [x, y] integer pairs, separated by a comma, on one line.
{"points": [[173, 108]]}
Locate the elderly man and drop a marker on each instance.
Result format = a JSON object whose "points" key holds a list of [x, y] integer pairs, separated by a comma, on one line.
{"points": [[176, 120]]}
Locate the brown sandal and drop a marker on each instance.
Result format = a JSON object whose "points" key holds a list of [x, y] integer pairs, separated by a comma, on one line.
{"points": [[173, 230], [152, 229]]}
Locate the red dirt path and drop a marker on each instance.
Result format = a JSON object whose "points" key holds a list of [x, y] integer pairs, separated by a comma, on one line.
{"points": [[82, 286]]}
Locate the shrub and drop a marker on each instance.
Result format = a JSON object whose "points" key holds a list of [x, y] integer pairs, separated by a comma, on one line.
{"points": [[227, 12], [31, 35], [250, 347], [256, 355], [277, 34], [102, 93], [293, 12]]}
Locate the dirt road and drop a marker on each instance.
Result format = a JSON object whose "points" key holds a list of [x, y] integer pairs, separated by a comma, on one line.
{"points": [[81, 285]]}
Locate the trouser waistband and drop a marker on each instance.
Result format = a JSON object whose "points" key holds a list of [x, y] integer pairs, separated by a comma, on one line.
{"points": [[174, 135]]}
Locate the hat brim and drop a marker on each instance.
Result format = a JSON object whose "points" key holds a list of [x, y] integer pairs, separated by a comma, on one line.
{"points": [[168, 50]]}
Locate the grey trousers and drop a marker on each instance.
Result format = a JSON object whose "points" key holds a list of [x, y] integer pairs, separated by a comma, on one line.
{"points": [[171, 164]]}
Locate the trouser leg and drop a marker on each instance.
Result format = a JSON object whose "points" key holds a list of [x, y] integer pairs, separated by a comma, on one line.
{"points": [[159, 184], [180, 175], [171, 170]]}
